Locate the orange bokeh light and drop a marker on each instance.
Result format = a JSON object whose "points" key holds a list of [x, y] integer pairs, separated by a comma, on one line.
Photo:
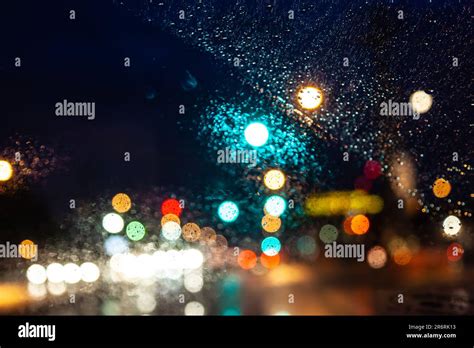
{"points": [[402, 256], [121, 203], [441, 188], [247, 259], [270, 261], [347, 225], [360, 224], [170, 217]]}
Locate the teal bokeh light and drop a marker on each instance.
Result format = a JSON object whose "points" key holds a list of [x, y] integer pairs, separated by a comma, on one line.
{"points": [[228, 211], [275, 205], [271, 246]]}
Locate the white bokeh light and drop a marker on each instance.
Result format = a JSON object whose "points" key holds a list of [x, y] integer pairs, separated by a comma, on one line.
{"points": [[194, 308], [256, 134], [193, 282], [146, 303], [55, 273], [113, 223], [452, 225], [90, 272], [191, 259], [309, 97], [56, 289], [171, 231], [72, 273], [36, 274], [37, 291]]}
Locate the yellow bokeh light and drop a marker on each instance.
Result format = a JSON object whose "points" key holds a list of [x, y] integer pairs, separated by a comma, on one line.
{"points": [[274, 179], [121, 203], [421, 102], [342, 203], [309, 97], [170, 217], [6, 171], [28, 249], [271, 223]]}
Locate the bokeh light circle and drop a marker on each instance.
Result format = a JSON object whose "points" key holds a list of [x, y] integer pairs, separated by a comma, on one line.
{"points": [[328, 233], [347, 225], [208, 236], [275, 205], [271, 246], [36, 274], [452, 225], [221, 243], [171, 231], [270, 262], [193, 282], [72, 273], [170, 217], [306, 245], [421, 101], [121, 203], [90, 272], [309, 98], [274, 179], [191, 232], [113, 223], [171, 206], [455, 252], [6, 171], [56, 289], [256, 134], [441, 188], [194, 308], [360, 224], [135, 231], [377, 257], [402, 256], [372, 169], [247, 259], [28, 249], [55, 272], [146, 303], [191, 258], [228, 211], [270, 223], [116, 245]]}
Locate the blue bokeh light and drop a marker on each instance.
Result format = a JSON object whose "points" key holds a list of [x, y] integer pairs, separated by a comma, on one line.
{"points": [[116, 245]]}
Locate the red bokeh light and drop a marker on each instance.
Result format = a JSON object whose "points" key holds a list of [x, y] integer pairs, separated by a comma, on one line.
{"points": [[171, 206], [372, 169], [455, 252]]}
